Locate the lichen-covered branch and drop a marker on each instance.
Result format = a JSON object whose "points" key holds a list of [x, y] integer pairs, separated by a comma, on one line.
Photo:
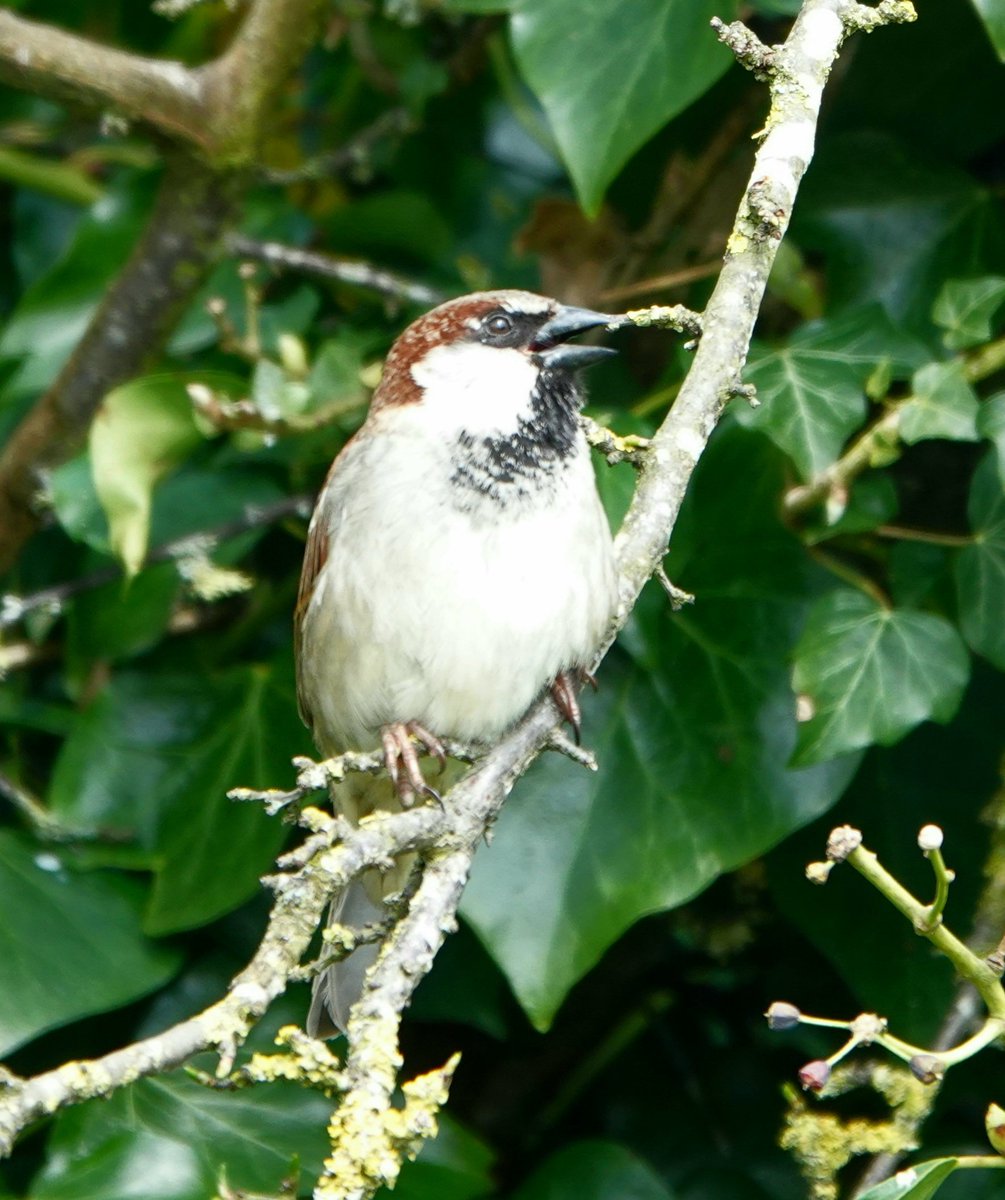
{"points": [[302, 892], [798, 72]]}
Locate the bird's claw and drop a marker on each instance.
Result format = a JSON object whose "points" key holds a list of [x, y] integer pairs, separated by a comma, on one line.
{"points": [[564, 695], [402, 760]]}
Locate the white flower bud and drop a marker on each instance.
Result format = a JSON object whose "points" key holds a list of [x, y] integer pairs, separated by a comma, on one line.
{"points": [[930, 838]]}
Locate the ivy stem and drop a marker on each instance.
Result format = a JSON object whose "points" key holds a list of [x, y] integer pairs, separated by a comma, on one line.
{"points": [[876, 443], [845, 1050], [825, 1022], [978, 972], [923, 535], [943, 878], [985, 361], [857, 580], [990, 1031], [879, 441]]}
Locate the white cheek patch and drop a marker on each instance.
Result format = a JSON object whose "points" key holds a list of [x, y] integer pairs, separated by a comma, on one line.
{"points": [[481, 389]]}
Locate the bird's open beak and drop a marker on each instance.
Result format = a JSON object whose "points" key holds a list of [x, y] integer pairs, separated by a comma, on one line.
{"points": [[550, 342]]}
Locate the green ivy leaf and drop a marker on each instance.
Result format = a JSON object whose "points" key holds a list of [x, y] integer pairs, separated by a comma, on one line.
{"points": [[142, 430], [120, 619], [943, 405], [157, 753], [53, 312], [196, 499], [70, 942], [991, 425], [661, 52], [893, 225], [693, 729], [914, 1183], [478, 6], [980, 568], [964, 309], [992, 14], [593, 1170], [872, 673], [812, 390], [169, 1138]]}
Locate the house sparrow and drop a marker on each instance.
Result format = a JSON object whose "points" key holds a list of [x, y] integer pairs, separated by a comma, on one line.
{"points": [[458, 563]]}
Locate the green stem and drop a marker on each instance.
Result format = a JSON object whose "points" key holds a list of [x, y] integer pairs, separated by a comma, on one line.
{"points": [[878, 439], [845, 1050], [881, 436], [825, 1022], [923, 535], [990, 1031], [899, 1047], [985, 361], [943, 878], [850, 575], [964, 960], [622, 1035], [656, 401]]}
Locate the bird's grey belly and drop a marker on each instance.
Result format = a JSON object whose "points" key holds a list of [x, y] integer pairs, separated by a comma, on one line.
{"points": [[463, 639]]}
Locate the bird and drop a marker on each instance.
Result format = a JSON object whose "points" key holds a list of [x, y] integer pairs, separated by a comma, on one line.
{"points": [[458, 564]]}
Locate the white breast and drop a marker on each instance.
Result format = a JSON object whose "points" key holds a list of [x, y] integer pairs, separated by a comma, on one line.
{"points": [[426, 612]]}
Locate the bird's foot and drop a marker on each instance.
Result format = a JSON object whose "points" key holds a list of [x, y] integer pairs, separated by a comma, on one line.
{"points": [[402, 759], [563, 692]]}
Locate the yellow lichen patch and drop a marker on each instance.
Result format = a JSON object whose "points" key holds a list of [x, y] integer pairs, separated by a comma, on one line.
{"points": [[310, 1063], [370, 1140], [823, 1143]]}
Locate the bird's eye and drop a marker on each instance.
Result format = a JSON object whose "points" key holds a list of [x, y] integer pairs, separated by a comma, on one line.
{"points": [[499, 325]]}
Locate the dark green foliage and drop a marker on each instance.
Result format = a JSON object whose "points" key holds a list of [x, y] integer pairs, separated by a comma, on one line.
{"points": [[607, 989]]}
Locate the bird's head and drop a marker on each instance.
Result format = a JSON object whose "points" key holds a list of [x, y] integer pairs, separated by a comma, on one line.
{"points": [[483, 363]]}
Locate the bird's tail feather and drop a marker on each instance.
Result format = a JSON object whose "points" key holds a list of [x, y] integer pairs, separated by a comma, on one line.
{"points": [[339, 986]]}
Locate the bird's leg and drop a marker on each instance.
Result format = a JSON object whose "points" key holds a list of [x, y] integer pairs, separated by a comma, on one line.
{"points": [[563, 692], [402, 759], [430, 741]]}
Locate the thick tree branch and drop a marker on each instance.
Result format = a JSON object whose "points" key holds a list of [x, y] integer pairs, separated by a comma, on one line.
{"points": [[195, 207], [218, 108], [241, 85], [222, 109], [44, 59]]}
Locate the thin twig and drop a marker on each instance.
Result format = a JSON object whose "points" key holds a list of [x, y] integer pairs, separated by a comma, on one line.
{"points": [[345, 270], [14, 608], [349, 157]]}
